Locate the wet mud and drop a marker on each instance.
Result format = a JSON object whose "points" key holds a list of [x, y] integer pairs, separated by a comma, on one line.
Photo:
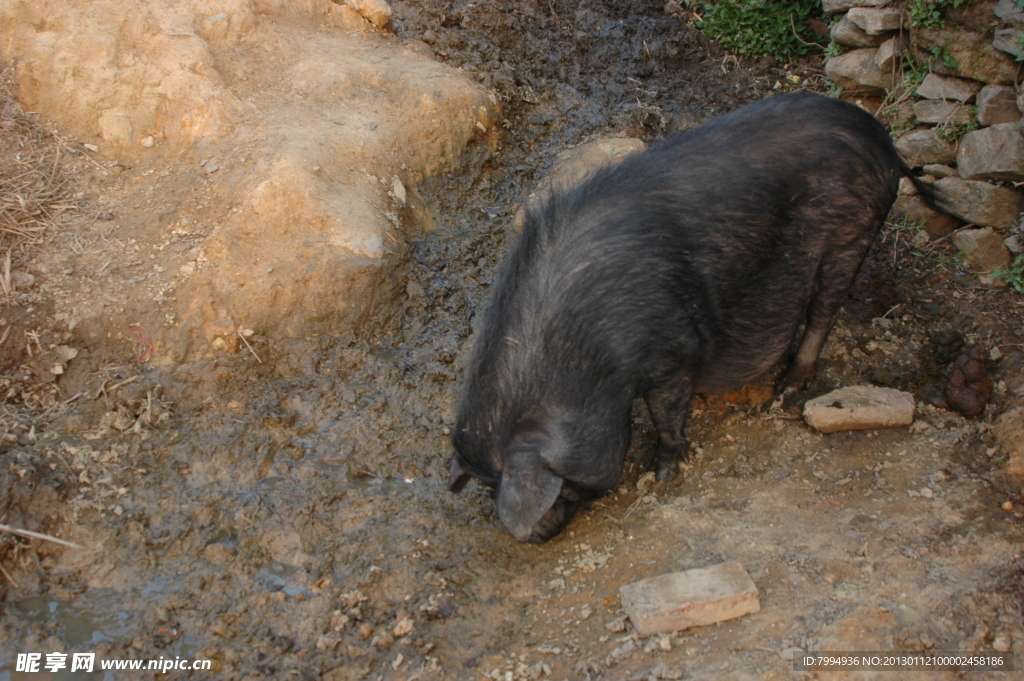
{"points": [[283, 511]]}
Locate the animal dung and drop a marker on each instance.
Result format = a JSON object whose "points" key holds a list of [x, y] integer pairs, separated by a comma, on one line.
{"points": [[860, 407], [691, 598]]}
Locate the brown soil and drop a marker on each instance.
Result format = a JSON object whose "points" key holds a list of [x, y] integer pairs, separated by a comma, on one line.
{"points": [[287, 516]]}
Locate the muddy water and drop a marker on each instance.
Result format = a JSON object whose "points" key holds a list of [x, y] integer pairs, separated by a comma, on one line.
{"points": [[289, 519]]}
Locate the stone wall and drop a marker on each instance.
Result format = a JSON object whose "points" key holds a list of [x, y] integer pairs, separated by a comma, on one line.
{"points": [[951, 97]]}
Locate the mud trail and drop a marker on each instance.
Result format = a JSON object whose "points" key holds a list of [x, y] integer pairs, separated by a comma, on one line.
{"points": [[287, 516]]}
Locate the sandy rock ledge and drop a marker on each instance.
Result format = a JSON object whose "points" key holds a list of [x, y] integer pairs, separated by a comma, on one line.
{"points": [[290, 138]]}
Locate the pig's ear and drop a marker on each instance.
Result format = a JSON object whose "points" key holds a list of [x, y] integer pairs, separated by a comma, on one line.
{"points": [[458, 477], [527, 492]]}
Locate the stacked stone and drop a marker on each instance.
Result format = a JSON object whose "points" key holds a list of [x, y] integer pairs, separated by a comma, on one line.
{"points": [[976, 174], [875, 34]]}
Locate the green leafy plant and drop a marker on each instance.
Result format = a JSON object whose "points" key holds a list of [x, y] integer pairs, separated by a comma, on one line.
{"points": [[755, 28], [942, 55], [1013, 274], [945, 260], [954, 130], [903, 224], [930, 13]]}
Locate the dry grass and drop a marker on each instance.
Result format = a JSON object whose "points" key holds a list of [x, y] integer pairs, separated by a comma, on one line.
{"points": [[34, 191], [36, 198]]}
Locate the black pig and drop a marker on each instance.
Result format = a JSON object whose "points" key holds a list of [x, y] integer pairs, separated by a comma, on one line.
{"points": [[687, 268]]}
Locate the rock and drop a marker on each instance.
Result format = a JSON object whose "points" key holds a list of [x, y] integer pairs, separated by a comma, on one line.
{"points": [[969, 386], [1009, 432], [680, 600], [235, 21], [888, 52], [117, 131], [583, 160], [921, 147], [940, 111], [577, 163], [283, 544], [148, 142], [215, 28], [22, 279], [997, 104], [973, 54], [404, 627], [847, 33], [860, 407], [1014, 244], [907, 187], [916, 212], [305, 220], [983, 250], [398, 190], [876, 20], [856, 70], [946, 87], [993, 153], [979, 202], [219, 553], [938, 170], [1008, 11], [377, 12], [117, 68], [836, 6], [1008, 40]]}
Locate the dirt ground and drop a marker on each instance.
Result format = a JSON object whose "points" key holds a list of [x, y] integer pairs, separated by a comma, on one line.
{"points": [[283, 511]]}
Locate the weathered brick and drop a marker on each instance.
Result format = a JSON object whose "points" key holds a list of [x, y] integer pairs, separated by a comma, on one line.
{"points": [[693, 598], [860, 407]]}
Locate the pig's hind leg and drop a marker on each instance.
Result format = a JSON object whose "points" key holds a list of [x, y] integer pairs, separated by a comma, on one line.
{"points": [[669, 404], [831, 287]]}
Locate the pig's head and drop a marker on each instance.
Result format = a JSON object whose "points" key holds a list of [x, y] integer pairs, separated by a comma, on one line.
{"points": [[542, 471]]}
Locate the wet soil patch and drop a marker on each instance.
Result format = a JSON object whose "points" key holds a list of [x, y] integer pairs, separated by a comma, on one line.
{"points": [[283, 511]]}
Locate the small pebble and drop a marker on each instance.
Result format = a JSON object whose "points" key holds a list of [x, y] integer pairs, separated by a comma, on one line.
{"points": [[148, 142], [1008, 506]]}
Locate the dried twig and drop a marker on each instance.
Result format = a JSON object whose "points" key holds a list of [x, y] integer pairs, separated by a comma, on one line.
{"points": [[239, 332], [932, 245], [29, 534], [145, 342], [7, 576]]}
